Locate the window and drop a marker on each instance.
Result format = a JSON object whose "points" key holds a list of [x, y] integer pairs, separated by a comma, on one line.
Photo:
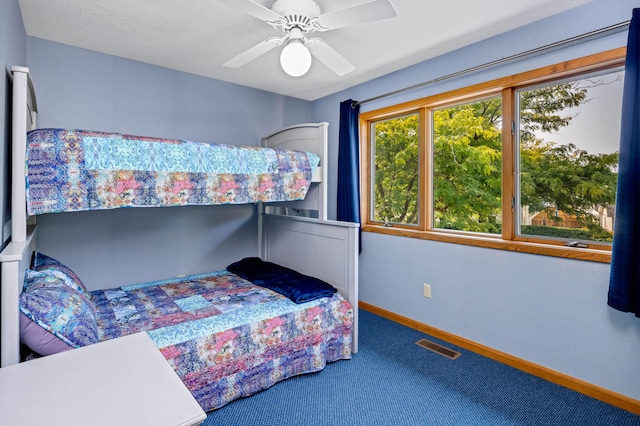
{"points": [[525, 163], [567, 158], [396, 170], [467, 171]]}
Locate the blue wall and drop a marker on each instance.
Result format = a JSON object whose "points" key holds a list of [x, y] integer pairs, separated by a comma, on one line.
{"points": [[13, 41], [549, 311], [77, 88]]}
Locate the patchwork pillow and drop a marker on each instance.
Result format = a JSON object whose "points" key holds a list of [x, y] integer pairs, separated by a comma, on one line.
{"points": [[53, 267], [56, 307]]}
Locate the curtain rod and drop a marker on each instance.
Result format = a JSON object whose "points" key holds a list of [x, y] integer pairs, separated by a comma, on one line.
{"points": [[610, 29]]}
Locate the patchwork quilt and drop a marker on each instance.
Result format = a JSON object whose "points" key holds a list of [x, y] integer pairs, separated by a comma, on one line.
{"points": [[226, 337], [76, 170]]}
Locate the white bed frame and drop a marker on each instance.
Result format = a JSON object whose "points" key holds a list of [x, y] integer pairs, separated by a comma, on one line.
{"points": [[318, 247], [310, 137]]}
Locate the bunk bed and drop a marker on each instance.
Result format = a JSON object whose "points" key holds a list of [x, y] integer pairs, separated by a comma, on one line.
{"points": [[302, 289]]}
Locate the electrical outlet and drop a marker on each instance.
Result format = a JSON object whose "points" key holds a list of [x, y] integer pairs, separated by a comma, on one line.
{"points": [[427, 290]]}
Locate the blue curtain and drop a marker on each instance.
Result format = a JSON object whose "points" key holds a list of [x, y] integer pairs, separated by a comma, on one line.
{"points": [[624, 282], [349, 163]]}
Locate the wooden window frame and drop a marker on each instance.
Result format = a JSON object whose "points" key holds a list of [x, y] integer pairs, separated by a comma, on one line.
{"points": [[506, 86]]}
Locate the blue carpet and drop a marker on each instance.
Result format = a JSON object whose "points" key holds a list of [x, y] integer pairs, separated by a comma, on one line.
{"points": [[392, 381]]}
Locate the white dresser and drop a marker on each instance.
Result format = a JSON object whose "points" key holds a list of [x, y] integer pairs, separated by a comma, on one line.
{"points": [[125, 381]]}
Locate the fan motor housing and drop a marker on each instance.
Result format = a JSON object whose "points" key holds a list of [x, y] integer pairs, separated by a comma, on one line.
{"points": [[297, 13]]}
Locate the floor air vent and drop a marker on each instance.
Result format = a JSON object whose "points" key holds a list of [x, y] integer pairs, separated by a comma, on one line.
{"points": [[439, 349]]}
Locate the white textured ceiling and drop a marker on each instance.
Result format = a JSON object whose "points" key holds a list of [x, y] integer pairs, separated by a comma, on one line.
{"points": [[198, 36]]}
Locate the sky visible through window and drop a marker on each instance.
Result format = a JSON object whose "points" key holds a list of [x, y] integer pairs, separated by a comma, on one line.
{"points": [[596, 128]]}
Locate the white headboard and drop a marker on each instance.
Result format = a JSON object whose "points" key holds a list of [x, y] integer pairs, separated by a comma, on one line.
{"points": [[310, 137], [325, 249]]}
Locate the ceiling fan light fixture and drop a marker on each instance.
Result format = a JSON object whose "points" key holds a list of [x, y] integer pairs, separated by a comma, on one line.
{"points": [[296, 19], [295, 58]]}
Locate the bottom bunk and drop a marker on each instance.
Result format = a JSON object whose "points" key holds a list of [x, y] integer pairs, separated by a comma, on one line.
{"points": [[224, 336]]}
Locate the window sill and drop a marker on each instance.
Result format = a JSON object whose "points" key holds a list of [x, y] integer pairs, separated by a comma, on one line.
{"points": [[587, 254]]}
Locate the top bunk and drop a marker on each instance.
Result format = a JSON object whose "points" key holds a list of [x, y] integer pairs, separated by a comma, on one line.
{"points": [[78, 170], [66, 170]]}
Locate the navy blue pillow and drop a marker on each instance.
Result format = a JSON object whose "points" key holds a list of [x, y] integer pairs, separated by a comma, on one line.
{"points": [[292, 284]]}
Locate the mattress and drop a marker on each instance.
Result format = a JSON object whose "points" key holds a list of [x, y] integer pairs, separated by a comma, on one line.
{"points": [[225, 337]]}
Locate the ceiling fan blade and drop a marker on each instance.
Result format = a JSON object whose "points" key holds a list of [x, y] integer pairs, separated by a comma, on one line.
{"points": [[252, 53], [328, 56], [254, 9], [372, 10]]}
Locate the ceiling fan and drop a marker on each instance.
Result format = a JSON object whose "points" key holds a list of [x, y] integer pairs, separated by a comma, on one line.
{"points": [[297, 18]]}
